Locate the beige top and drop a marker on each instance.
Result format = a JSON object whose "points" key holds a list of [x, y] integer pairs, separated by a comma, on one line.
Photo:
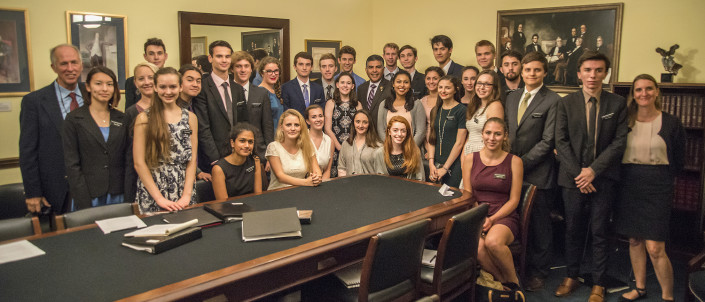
{"points": [[401, 111], [644, 145]]}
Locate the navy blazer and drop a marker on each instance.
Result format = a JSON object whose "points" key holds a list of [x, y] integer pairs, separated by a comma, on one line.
{"points": [[293, 96], [94, 167], [533, 139], [41, 152], [456, 70], [571, 137]]}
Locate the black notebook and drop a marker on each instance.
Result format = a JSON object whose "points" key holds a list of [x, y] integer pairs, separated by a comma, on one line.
{"points": [[204, 218], [158, 244], [270, 224], [228, 211]]}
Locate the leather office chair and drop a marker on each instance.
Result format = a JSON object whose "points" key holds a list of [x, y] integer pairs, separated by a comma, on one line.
{"points": [[389, 272], [12, 201], [19, 227], [204, 190], [518, 247], [90, 215], [456, 259], [696, 278]]}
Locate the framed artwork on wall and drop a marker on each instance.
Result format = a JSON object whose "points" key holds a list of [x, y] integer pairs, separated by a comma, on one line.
{"points": [[562, 34], [199, 46], [269, 40], [101, 40], [16, 78], [317, 48]]}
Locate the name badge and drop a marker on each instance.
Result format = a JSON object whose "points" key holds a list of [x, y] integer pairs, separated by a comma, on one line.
{"points": [[607, 116], [116, 124], [186, 132], [250, 169], [241, 103], [537, 115], [500, 176], [450, 118]]}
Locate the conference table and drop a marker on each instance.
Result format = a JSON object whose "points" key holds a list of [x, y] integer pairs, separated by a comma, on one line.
{"points": [[83, 264]]}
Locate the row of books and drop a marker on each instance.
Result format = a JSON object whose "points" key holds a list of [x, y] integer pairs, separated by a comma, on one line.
{"points": [[687, 193], [694, 148], [690, 108]]}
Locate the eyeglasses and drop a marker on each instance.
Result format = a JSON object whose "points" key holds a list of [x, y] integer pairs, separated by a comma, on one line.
{"points": [[480, 84], [272, 71]]}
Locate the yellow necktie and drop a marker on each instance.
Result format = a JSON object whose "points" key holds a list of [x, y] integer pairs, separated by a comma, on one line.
{"points": [[522, 107]]}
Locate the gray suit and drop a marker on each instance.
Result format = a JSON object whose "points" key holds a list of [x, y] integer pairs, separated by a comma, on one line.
{"points": [[260, 115], [533, 139]]}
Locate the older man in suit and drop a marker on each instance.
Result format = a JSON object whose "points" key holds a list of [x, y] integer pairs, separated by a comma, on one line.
{"points": [[42, 115], [371, 93], [258, 107], [591, 135], [531, 118], [408, 57], [219, 106], [300, 93]]}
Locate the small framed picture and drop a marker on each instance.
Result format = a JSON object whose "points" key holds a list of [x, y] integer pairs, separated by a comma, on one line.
{"points": [[101, 40], [199, 46], [317, 48], [15, 53], [269, 40]]}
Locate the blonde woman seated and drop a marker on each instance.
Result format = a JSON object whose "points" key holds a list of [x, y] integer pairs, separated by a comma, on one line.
{"points": [[362, 151], [240, 172], [494, 176], [291, 155], [401, 156]]}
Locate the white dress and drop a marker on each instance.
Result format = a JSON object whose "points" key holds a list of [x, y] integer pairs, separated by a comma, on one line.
{"points": [[292, 164], [323, 152], [474, 126]]}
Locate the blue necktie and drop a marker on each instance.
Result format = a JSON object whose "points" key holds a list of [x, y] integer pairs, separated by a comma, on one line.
{"points": [[306, 100]]}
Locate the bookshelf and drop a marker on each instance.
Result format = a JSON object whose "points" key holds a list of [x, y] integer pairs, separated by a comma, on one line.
{"points": [[686, 101]]}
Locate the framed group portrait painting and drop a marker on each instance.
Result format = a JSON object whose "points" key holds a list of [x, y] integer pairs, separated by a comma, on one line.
{"points": [[15, 53], [101, 40], [269, 40], [563, 34]]}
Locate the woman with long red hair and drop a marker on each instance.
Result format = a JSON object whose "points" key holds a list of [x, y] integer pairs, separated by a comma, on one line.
{"points": [[401, 155]]}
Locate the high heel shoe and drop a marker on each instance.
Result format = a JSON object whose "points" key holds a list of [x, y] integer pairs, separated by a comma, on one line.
{"points": [[641, 293]]}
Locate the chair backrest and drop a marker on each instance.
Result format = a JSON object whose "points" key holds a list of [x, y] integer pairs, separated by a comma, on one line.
{"points": [[12, 201], [392, 263], [90, 215], [458, 245], [204, 190], [528, 193], [19, 227]]}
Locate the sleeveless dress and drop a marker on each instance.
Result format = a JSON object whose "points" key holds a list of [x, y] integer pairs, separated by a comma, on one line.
{"points": [[323, 152], [474, 125], [239, 179], [170, 177], [342, 122], [491, 185], [292, 164]]}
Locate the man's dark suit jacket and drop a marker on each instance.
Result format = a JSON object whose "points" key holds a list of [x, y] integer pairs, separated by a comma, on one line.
{"points": [[41, 148], [571, 137], [518, 41], [320, 82], [456, 70], [260, 116], [418, 85], [383, 91], [533, 138], [94, 167], [132, 94], [293, 96], [213, 124], [534, 47]]}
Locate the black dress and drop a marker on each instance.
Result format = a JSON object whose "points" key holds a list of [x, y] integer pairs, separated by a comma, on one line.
{"points": [[644, 206], [239, 179]]}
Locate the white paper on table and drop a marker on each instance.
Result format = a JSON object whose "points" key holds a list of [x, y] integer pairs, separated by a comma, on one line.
{"points": [[120, 223], [445, 190], [162, 229], [19, 250]]}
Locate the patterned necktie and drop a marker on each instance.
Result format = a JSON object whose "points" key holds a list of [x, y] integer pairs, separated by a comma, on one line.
{"points": [[246, 96], [228, 101], [329, 95], [74, 102], [306, 99], [522, 107], [371, 96]]}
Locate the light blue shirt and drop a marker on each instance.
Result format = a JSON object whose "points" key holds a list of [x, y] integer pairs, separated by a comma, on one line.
{"points": [[358, 80], [62, 94]]}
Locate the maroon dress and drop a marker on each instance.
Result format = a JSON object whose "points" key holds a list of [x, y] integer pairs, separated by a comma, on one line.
{"points": [[491, 185]]}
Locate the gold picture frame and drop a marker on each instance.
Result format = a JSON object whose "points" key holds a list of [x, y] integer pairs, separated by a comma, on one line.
{"points": [[16, 70]]}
